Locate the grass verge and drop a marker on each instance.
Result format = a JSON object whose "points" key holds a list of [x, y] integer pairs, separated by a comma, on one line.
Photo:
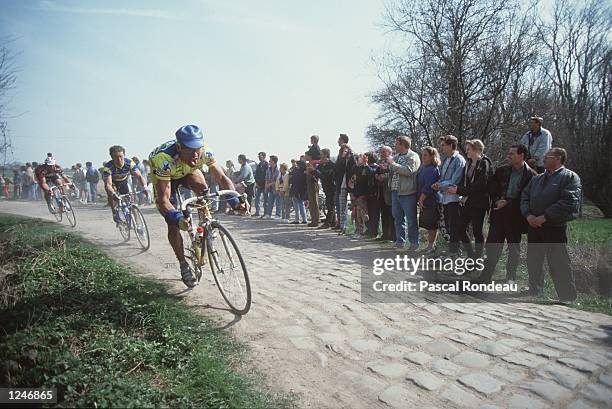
{"points": [[72, 318]]}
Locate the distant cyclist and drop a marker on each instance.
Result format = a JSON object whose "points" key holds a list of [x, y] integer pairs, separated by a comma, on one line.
{"points": [[115, 174], [177, 163], [50, 173]]}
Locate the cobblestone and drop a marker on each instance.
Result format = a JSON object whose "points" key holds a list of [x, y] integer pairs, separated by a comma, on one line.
{"points": [[494, 348], [525, 402], [441, 348], [425, 380], [445, 367], [579, 364], [419, 357], [472, 359], [524, 359], [460, 397], [598, 392], [482, 383], [388, 369], [567, 377], [548, 390]]}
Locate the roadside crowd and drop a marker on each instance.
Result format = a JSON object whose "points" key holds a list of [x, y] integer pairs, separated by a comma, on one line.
{"points": [[390, 193]]}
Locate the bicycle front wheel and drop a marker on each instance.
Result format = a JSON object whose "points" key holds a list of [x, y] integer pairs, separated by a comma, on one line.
{"points": [[140, 228], [69, 212], [55, 211], [228, 268]]}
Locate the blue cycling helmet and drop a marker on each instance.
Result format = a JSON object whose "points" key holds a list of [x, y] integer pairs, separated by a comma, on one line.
{"points": [[190, 136]]}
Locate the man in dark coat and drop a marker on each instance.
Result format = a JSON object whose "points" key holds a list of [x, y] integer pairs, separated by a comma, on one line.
{"points": [[506, 222], [549, 201]]}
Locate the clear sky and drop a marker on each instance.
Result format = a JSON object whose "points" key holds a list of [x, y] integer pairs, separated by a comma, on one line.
{"points": [[255, 76]]}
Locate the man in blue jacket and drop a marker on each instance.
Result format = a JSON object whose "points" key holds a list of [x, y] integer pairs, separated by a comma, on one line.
{"points": [[450, 175], [549, 201]]}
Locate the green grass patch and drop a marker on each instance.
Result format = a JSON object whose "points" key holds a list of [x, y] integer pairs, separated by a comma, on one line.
{"points": [[72, 318]]}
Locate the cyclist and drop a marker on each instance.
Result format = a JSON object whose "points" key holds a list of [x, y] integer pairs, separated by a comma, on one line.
{"points": [[50, 173], [115, 175], [179, 162]]}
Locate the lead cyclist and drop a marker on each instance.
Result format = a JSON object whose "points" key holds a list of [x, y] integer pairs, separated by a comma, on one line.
{"points": [[178, 163]]}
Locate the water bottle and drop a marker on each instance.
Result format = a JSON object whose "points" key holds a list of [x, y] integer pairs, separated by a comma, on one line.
{"points": [[198, 243]]}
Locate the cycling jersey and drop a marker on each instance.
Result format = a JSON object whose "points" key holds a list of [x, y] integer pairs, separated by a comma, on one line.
{"points": [[44, 172], [165, 163], [118, 174]]}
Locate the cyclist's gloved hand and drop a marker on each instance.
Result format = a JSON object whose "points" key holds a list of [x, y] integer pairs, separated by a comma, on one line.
{"points": [[116, 196]]}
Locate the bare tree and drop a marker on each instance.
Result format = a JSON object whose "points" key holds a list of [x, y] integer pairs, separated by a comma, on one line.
{"points": [[576, 44], [463, 66], [8, 77]]}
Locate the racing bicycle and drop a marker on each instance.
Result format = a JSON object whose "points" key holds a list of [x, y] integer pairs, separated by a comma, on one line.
{"points": [[210, 242], [131, 219], [59, 204]]}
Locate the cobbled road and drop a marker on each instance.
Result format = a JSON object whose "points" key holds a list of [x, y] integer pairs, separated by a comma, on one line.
{"points": [[311, 335]]}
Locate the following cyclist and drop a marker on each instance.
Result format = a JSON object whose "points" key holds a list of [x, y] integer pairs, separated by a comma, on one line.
{"points": [[115, 175], [178, 163], [50, 173]]}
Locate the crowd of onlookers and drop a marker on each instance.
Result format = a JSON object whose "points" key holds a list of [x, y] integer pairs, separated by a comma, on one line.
{"points": [[392, 192]]}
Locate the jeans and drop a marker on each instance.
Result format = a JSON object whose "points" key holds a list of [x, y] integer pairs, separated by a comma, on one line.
{"points": [[259, 193], [287, 202], [404, 208], [298, 205], [330, 218], [274, 199], [342, 207]]}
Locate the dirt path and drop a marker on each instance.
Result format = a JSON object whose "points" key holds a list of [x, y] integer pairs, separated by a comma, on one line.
{"points": [[312, 335]]}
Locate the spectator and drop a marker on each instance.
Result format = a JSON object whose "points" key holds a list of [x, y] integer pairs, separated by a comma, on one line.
{"points": [[282, 188], [29, 182], [429, 216], [260, 183], [372, 199], [345, 168], [538, 140], [297, 192], [506, 223], [450, 175], [312, 190], [549, 201], [147, 175], [403, 169], [92, 176], [17, 184], [36, 195], [384, 195], [313, 150], [136, 184], [326, 173], [474, 189], [246, 178], [363, 177], [342, 139], [81, 183], [230, 170], [270, 189]]}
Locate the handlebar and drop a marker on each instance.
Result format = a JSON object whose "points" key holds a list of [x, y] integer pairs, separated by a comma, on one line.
{"points": [[188, 202]]}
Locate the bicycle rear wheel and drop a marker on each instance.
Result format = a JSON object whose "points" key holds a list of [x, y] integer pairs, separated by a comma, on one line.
{"points": [[228, 268], [140, 227], [69, 211]]}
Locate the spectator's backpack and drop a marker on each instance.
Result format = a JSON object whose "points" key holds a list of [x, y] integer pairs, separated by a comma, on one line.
{"points": [[92, 176]]}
